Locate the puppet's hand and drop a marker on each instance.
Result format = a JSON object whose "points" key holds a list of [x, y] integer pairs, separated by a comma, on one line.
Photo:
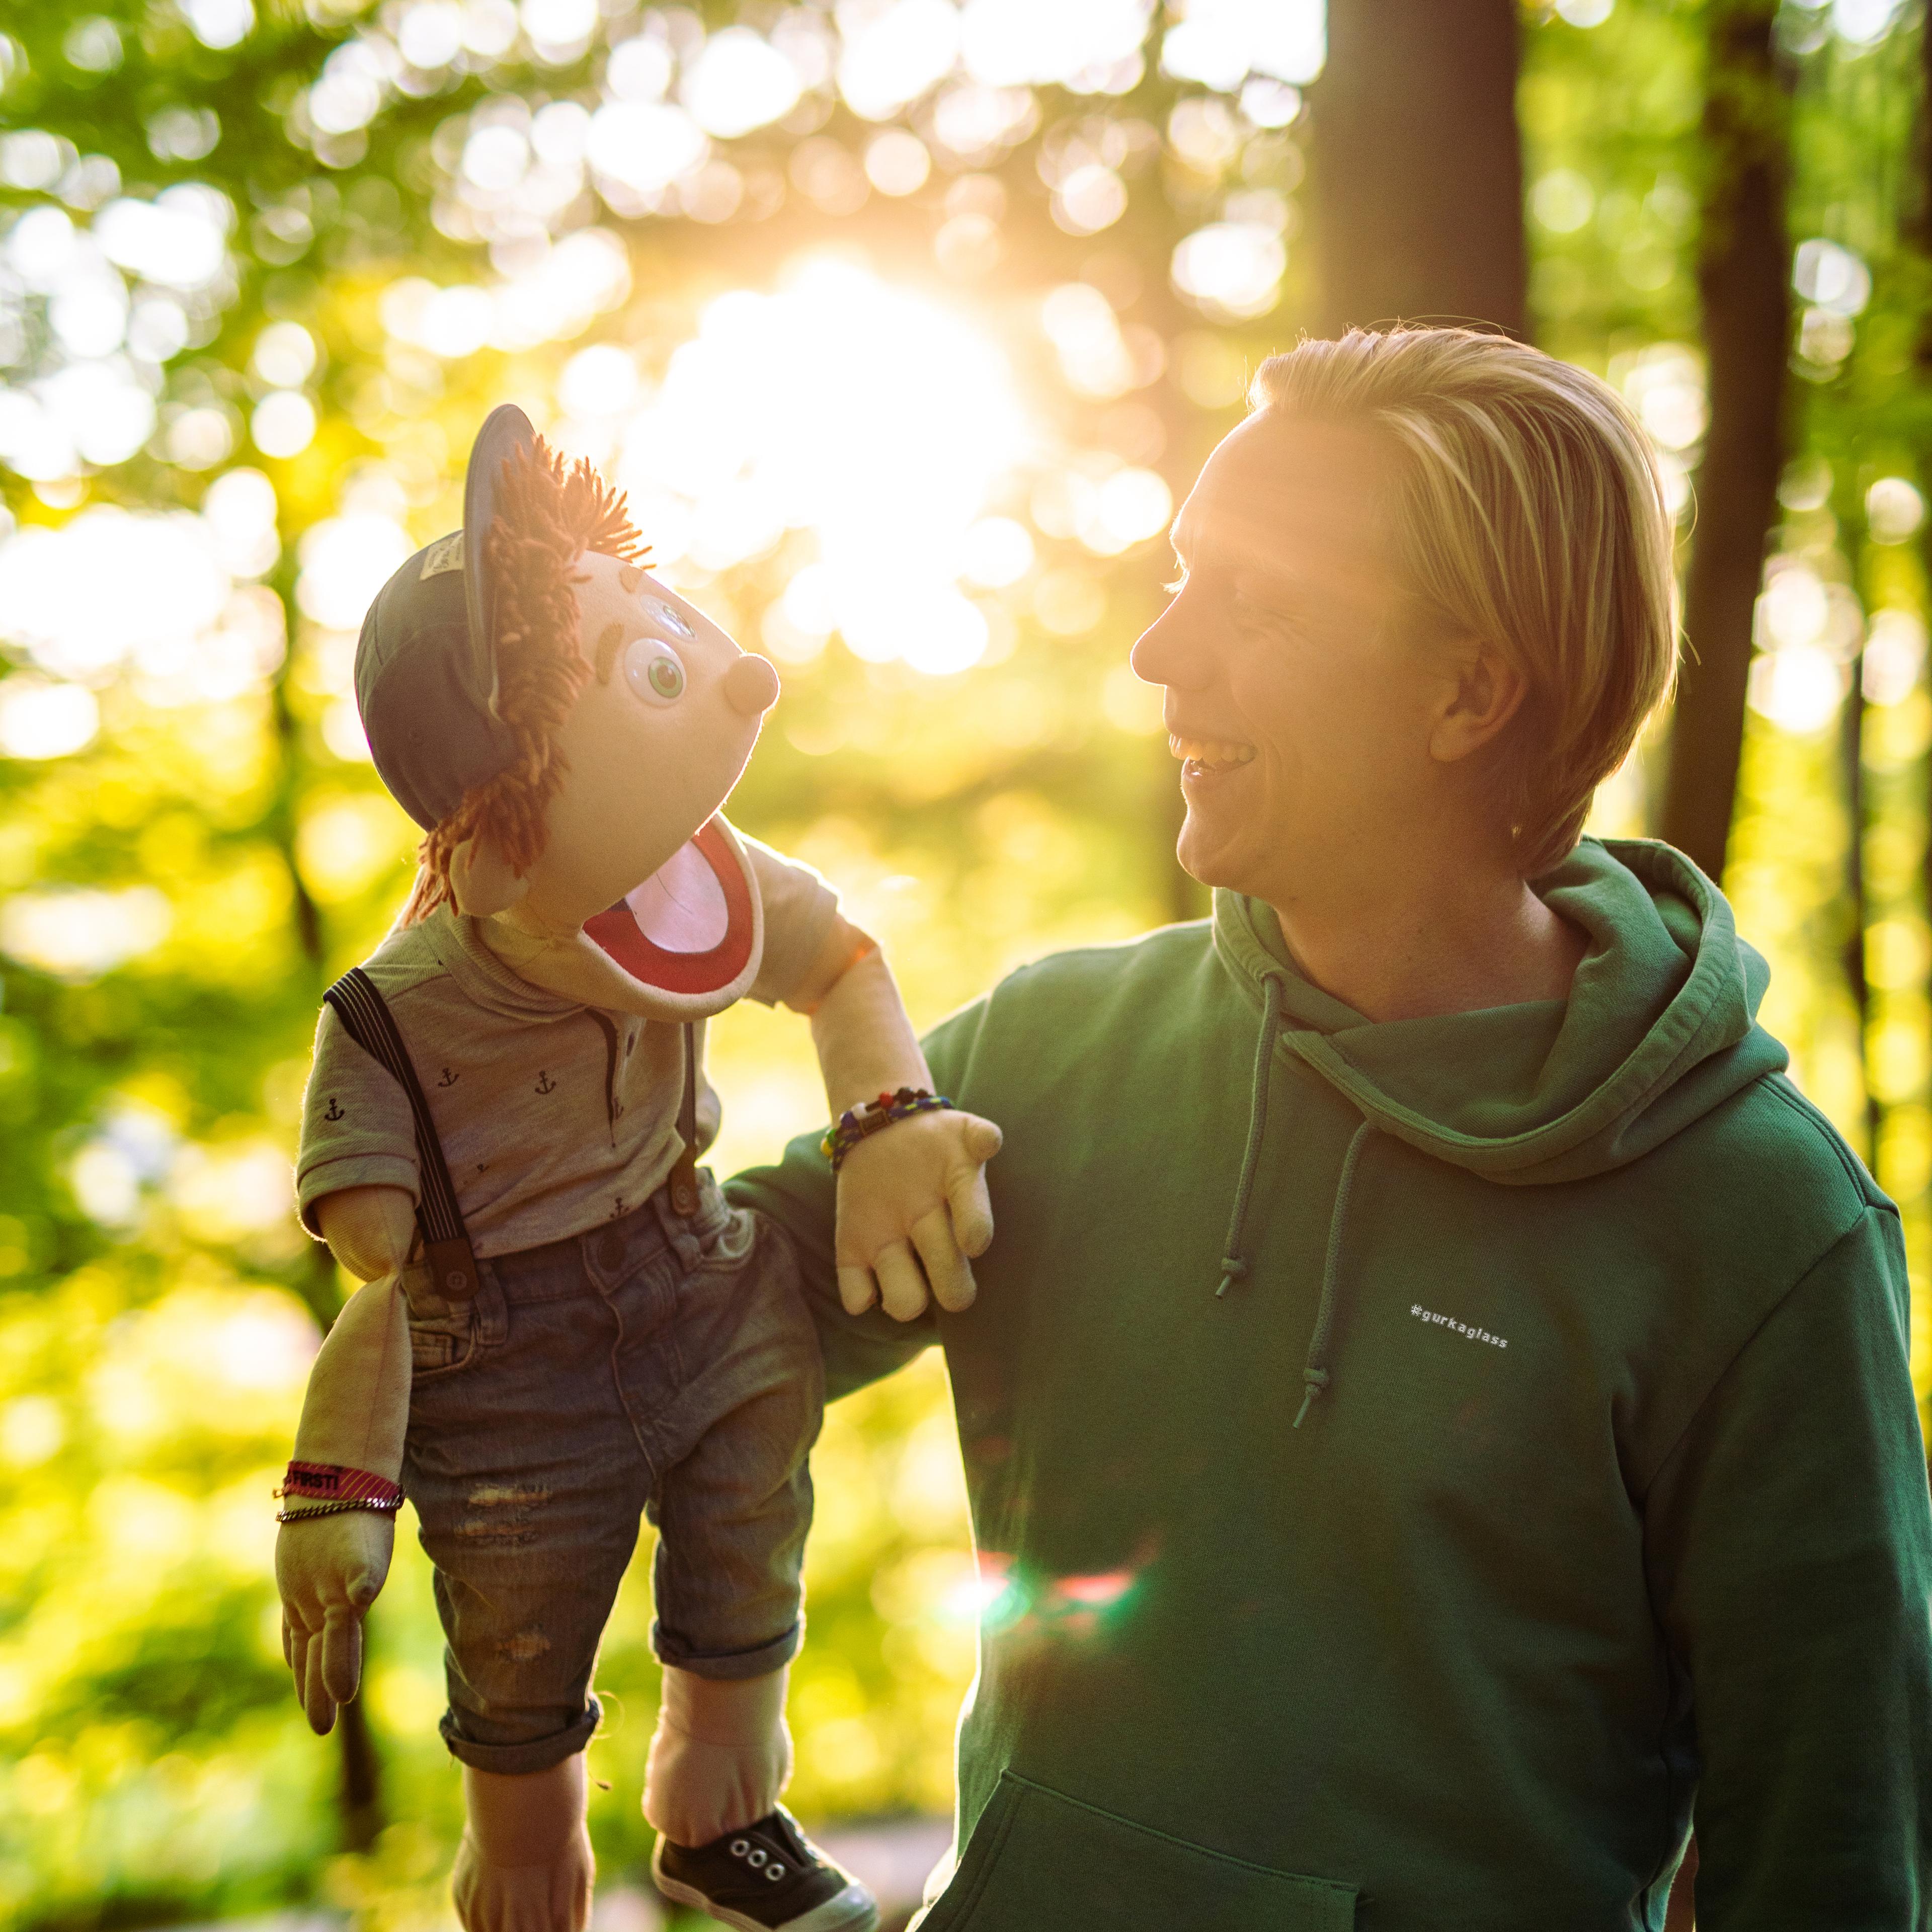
{"points": [[917, 1188], [329, 1570]]}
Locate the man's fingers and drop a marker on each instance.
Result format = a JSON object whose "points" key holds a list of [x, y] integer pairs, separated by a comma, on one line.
{"points": [[342, 1653], [972, 1208], [983, 1139], [857, 1291], [902, 1286], [946, 1267]]}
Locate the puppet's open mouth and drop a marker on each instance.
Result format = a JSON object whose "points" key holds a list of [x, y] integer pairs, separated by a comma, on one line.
{"points": [[689, 927], [682, 906]]}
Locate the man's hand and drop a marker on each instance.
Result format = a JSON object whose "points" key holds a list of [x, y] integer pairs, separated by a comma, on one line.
{"points": [[329, 1570], [913, 1195]]}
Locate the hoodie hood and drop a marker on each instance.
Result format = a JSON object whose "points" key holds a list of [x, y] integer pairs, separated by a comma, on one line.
{"points": [[1659, 1029]]}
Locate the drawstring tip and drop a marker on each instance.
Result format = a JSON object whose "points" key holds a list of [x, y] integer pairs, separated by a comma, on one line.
{"points": [[1317, 1380], [1233, 1269]]}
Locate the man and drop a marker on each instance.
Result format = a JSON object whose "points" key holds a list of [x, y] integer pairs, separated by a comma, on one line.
{"points": [[1438, 1401]]}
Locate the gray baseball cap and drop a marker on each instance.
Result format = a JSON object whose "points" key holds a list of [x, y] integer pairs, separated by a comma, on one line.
{"points": [[426, 662]]}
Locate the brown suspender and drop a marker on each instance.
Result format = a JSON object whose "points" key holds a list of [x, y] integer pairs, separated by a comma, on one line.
{"points": [[366, 1018]]}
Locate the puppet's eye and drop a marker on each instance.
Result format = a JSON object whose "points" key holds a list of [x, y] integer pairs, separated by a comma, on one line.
{"points": [[652, 670]]}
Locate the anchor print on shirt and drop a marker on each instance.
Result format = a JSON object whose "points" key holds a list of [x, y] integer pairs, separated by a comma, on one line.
{"points": [[448, 1079], [334, 1113], [545, 1084]]}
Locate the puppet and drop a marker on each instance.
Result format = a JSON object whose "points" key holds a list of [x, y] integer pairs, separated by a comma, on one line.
{"points": [[565, 1326]]}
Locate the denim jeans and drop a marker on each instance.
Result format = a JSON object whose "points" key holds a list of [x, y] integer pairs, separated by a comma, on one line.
{"points": [[653, 1366]]}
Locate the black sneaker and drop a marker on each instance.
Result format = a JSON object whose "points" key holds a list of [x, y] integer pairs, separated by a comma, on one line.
{"points": [[770, 1877]]}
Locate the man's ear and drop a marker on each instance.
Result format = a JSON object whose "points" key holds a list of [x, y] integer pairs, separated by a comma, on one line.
{"points": [[1483, 691], [481, 880]]}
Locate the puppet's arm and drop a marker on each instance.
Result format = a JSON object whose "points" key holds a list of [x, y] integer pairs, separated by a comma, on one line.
{"points": [[915, 1195], [329, 1568]]}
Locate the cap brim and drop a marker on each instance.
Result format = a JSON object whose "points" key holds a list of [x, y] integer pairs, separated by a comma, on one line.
{"points": [[505, 430]]}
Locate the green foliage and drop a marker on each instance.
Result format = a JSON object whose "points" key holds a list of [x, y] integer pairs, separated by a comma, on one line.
{"points": [[176, 890]]}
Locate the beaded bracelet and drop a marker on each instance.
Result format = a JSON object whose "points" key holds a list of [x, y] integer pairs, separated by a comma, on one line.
{"points": [[856, 1123], [329, 1489]]}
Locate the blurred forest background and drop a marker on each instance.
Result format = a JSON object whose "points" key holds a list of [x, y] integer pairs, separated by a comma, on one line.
{"points": [[906, 323]]}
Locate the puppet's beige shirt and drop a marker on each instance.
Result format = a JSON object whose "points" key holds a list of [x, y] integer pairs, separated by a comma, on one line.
{"points": [[554, 1116]]}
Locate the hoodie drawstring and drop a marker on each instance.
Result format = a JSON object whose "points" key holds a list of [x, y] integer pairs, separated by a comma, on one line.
{"points": [[1316, 1374], [1234, 1263]]}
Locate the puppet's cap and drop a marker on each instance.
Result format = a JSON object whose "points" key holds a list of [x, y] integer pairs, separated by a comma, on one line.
{"points": [[425, 664]]}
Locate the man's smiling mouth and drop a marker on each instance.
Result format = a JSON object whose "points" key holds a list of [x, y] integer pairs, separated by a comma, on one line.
{"points": [[1206, 758]]}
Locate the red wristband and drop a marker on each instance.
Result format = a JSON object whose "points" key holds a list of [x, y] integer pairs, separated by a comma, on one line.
{"points": [[331, 1483]]}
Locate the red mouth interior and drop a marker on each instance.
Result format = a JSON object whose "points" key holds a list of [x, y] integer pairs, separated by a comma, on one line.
{"points": [[618, 932]]}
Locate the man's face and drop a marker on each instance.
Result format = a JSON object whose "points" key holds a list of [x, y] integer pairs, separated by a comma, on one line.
{"points": [[1298, 703]]}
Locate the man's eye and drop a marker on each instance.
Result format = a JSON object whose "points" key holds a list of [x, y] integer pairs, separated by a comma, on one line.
{"points": [[652, 670], [1262, 619]]}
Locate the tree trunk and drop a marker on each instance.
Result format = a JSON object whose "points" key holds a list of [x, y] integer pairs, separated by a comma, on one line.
{"points": [[361, 1797], [1915, 226], [1915, 213], [1858, 915], [1743, 270], [1417, 167], [1743, 276], [359, 1781]]}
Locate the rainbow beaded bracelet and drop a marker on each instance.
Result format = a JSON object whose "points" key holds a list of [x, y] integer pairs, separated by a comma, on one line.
{"points": [[857, 1123]]}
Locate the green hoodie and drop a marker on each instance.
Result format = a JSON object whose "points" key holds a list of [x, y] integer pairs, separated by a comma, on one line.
{"points": [[1410, 1463]]}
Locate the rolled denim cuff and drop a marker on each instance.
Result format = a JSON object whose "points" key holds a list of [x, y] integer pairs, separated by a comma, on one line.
{"points": [[732, 1666], [521, 1760]]}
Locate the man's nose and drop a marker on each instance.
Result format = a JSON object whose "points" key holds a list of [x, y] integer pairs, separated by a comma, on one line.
{"points": [[751, 685], [1163, 655]]}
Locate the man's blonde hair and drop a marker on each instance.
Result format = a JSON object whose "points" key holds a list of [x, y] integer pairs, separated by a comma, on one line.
{"points": [[1529, 512]]}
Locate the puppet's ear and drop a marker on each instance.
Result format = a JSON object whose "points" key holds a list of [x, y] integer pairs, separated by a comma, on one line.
{"points": [[481, 880]]}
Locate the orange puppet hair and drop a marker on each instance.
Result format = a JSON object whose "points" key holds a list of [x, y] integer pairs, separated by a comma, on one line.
{"points": [[551, 512]]}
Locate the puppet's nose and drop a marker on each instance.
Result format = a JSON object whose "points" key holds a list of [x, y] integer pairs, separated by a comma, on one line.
{"points": [[751, 685]]}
